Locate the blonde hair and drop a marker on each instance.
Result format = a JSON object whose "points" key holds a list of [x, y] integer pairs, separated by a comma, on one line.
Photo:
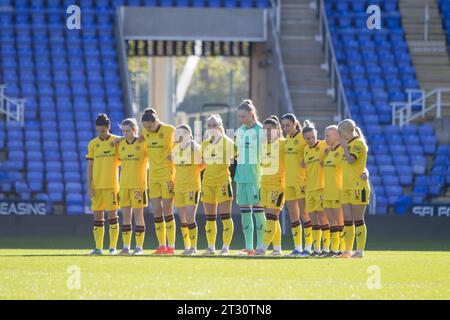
{"points": [[216, 117], [248, 106], [186, 128], [350, 125], [332, 127], [129, 122]]}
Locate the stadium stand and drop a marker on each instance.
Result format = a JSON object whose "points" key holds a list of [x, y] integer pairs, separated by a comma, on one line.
{"points": [[376, 69], [67, 77], [444, 6]]}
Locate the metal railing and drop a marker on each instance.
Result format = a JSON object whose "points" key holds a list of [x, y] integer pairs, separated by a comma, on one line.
{"points": [[14, 109], [403, 113], [330, 64]]}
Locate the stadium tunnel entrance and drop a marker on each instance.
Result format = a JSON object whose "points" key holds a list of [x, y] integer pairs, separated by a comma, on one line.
{"points": [[190, 62]]}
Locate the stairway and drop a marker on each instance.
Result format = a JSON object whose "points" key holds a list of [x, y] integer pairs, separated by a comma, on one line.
{"points": [[302, 57], [430, 58]]}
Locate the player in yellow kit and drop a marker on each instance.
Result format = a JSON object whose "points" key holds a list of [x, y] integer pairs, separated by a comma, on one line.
{"points": [[187, 157], [158, 137], [272, 183], [133, 185], [296, 183], [333, 188], [102, 183], [356, 191], [312, 157], [217, 191]]}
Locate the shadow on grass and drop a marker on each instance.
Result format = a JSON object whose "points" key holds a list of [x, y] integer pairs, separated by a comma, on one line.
{"points": [[86, 243]]}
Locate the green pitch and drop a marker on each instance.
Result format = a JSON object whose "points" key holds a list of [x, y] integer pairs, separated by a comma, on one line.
{"points": [[70, 274]]}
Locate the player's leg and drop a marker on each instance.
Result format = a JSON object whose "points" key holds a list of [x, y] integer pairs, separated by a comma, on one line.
{"points": [[272, 217], [139, 223], [276, 242], [113, 222], [246, 218], [296, 228], [224, 210], [99, 232], [193, 230], [210, 228], [167, 207], [184, 228], [325, 227], [349, 230], [316, 233], [126, 230], [332, 215], [157, 208], [160, 225], [340, 220], [358, 212], [307, 226]]}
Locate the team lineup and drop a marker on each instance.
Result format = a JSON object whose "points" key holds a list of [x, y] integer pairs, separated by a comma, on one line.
{"points": [[324, 184]]}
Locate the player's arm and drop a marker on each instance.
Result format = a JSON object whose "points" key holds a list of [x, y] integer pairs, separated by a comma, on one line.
{"points": [[89, 177], [349, 157], [365, 175]]}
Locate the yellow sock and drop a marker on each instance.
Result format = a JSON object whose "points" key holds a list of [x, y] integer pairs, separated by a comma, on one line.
{"points": [[211, 230], [334, 239], [140, 235], [113, 232], [361, 235], [160, 228], [270, 229], [326, 237], [227, 229], [99, 234], [341, 239], [349, 235], [307, 230], [126, 236], [185, 234], [317, 236], [170, 230], [193, 235], [276, 242], [296, 230]]}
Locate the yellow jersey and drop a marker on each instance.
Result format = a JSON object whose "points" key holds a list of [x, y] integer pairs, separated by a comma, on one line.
{"points": [[273, 163], [217, 158], [314, 170], [293, 151], [159, 147], [133, 158], [188, 164], [353, 171], [333, 173], [105, 166]]}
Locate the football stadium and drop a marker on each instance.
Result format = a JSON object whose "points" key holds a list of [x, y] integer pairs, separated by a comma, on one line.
{"points": [[224, 150]]}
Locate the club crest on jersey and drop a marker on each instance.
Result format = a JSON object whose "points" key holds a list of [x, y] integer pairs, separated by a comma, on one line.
{"points": [[98, 145], [336, 155], [317, 149], [137, 148], [161, 135], [111, 144], [295, 142]]}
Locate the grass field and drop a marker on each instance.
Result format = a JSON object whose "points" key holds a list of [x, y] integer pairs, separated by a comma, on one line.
{"points": [[27, 271]]}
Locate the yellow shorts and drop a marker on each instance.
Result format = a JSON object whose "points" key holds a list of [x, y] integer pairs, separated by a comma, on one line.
{"points": [[295, 193], [163, 189], [104, 199], [272, 197], [332, 204], [217, 194], [186, 198], [360, 196], [135, 198], [314, 201]]}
